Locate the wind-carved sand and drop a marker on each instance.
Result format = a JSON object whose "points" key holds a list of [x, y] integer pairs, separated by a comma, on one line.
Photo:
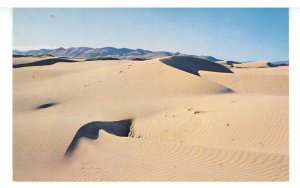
{"points": [[91, 131], [177, 118]]}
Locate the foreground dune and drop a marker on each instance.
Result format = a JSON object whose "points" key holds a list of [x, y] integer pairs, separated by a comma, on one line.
{"points": [[190, 122]]}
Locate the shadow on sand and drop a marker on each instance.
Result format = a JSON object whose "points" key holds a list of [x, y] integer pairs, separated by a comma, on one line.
{"points": [[45, 106], [193, 64], [232, 62], [91, 131], [276, 65], [43, 62]]}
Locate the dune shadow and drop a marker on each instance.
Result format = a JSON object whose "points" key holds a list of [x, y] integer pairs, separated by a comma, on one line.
{"points": [[193, 64], [232, 62], [45, 105], [102, 58], [276, 65], [91, 131], [44, 62]]}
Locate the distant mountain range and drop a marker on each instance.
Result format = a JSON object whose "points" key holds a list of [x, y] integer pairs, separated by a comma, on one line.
{"points": [[86, 52], [120, 53]]}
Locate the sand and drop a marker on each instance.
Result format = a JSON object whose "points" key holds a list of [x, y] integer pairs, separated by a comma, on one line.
{"points": [[215, 126]]}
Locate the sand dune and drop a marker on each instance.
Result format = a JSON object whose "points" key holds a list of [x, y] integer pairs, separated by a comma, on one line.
{"points": [[228, 124], [255, 64], [150, 160], [228, 64], [91, 131], [271, 81]]}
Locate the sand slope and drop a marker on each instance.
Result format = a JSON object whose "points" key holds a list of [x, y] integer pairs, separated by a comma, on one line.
{"points": [[213, 127], [263, 81]]}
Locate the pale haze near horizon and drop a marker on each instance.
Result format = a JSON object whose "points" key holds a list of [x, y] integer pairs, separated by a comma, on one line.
{"points": [[235, 34]]}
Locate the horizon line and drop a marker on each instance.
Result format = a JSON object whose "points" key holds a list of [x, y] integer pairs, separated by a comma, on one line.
{"points": [[64, 47]]}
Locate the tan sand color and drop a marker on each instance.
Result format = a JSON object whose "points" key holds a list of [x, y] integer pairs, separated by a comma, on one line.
{"points": [[214, 127]]}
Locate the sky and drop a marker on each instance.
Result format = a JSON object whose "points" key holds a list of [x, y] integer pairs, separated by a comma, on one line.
{"points": [[225, 33]]}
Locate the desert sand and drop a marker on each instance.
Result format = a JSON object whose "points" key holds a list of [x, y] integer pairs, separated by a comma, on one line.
{"points": [[226, 124]]}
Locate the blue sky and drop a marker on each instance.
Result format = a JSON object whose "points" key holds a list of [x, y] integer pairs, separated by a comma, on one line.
{"points": [[235, 34]]}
